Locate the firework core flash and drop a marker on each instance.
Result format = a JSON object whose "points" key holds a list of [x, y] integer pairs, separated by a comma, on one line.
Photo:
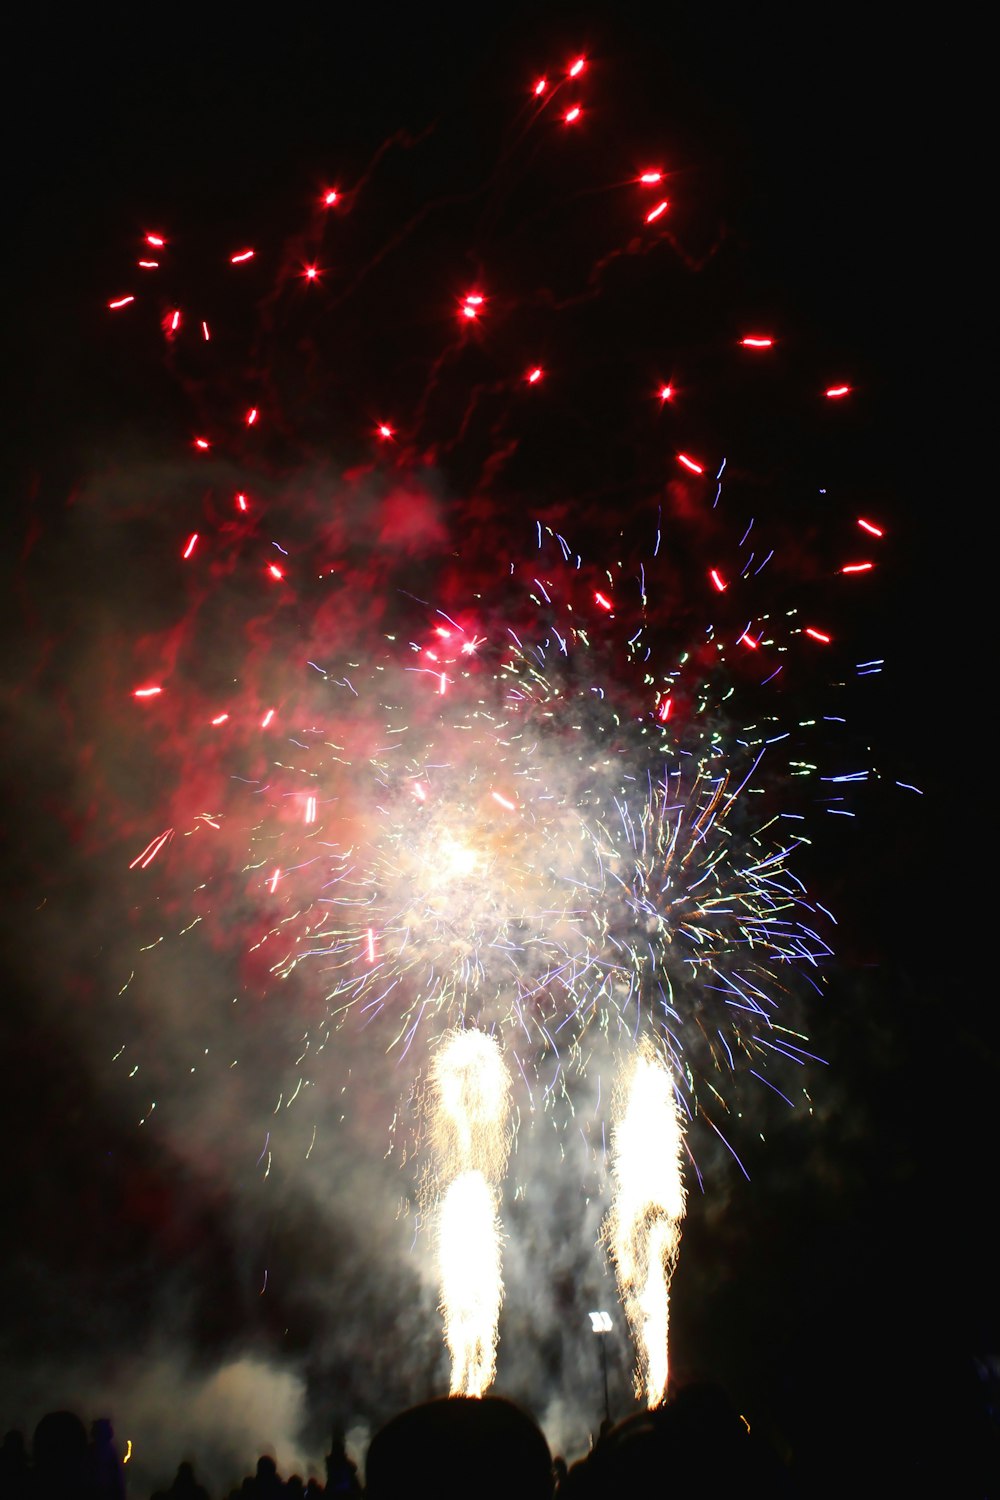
{"points": [[470, 1090]]}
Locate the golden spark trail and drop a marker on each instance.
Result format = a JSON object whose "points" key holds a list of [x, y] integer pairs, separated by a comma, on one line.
{"points": [[470, 1089], [644, 1226]]}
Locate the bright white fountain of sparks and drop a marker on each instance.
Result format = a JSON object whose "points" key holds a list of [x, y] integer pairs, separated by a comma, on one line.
{"points": [[470, 1089], [644, 1226]]}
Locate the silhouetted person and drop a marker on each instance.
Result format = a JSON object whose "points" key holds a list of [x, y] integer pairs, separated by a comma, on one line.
{"points": [[62, 1459], [267, 1485], [458, 1448], [107, 1465], [341, 1473], [185, 1485], [13, 1467]]}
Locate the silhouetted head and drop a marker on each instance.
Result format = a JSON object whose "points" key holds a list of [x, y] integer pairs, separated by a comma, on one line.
{"points": [[457, 1447]]}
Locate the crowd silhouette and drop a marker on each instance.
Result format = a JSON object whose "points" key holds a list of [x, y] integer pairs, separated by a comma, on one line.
{"points": [[454, 1448]]}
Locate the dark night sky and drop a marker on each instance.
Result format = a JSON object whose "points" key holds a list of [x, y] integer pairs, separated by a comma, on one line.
{"points": [[850, 1278]]}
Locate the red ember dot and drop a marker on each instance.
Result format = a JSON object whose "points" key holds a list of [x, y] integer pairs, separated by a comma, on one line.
{"points": [[756, 341], [577, 67], [242, 255], [689, 463], [655, 213], [837, 390], [572, 114]]}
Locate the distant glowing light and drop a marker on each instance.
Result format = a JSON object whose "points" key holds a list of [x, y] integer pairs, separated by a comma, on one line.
{"points": [[540, 87], [275, 571], [241, 502], [252, 416], [384, 431], [818, 635], [535, 375], [746, 639], [156, 240], [149, 265], [171, 322], [147, 692], [371, 945], [870, 527], [192, 542], [219, 719], [120, 302], [834, 391], [572, 115], [757, 341], [330, 197], [577, 67], [267, 719], [861, 567], [310, 811], [274, 881], [689, 463], [203, 444], [651, 177], [658, 211], [504, 802], [240, 257], [604, 602], [666, 393], [204, 331], [420, 792], [717, 579]]}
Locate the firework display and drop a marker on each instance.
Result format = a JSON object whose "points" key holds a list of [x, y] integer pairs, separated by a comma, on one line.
{"points": [[487, 760]]}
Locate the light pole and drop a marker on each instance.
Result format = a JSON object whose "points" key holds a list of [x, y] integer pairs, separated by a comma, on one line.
{"points": [[600, 1323]]}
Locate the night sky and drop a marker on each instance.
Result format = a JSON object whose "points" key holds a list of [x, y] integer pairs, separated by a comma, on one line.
{"points": [[844, 1290]]}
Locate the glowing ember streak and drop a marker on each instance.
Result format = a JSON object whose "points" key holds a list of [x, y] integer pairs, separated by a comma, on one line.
{"points": [[252, 415], [644, 1226], [220, 719], [240, 257], [577, 67], [747, 640], [275, 571], [689, 463], [533, 376], [818, 635], [572, 115], [651, 177], [666, 393], [147, 692], [655, 213], [310, 812], [870, 527], [241, 502], [837, 390], [443, 684], [151, 850], [274, 881], [330, 197], [172, 321], [540, 87], [202, 444], [717, 580], [757, 341], [863, 567], [311, 273], [470, 1089], [663, 712], [503, 801], [204, 332], [371, 945], [156, 240], [121, 302], [384, 431], [192, 542], [148, 265], [602, 601], [266, 720]]}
